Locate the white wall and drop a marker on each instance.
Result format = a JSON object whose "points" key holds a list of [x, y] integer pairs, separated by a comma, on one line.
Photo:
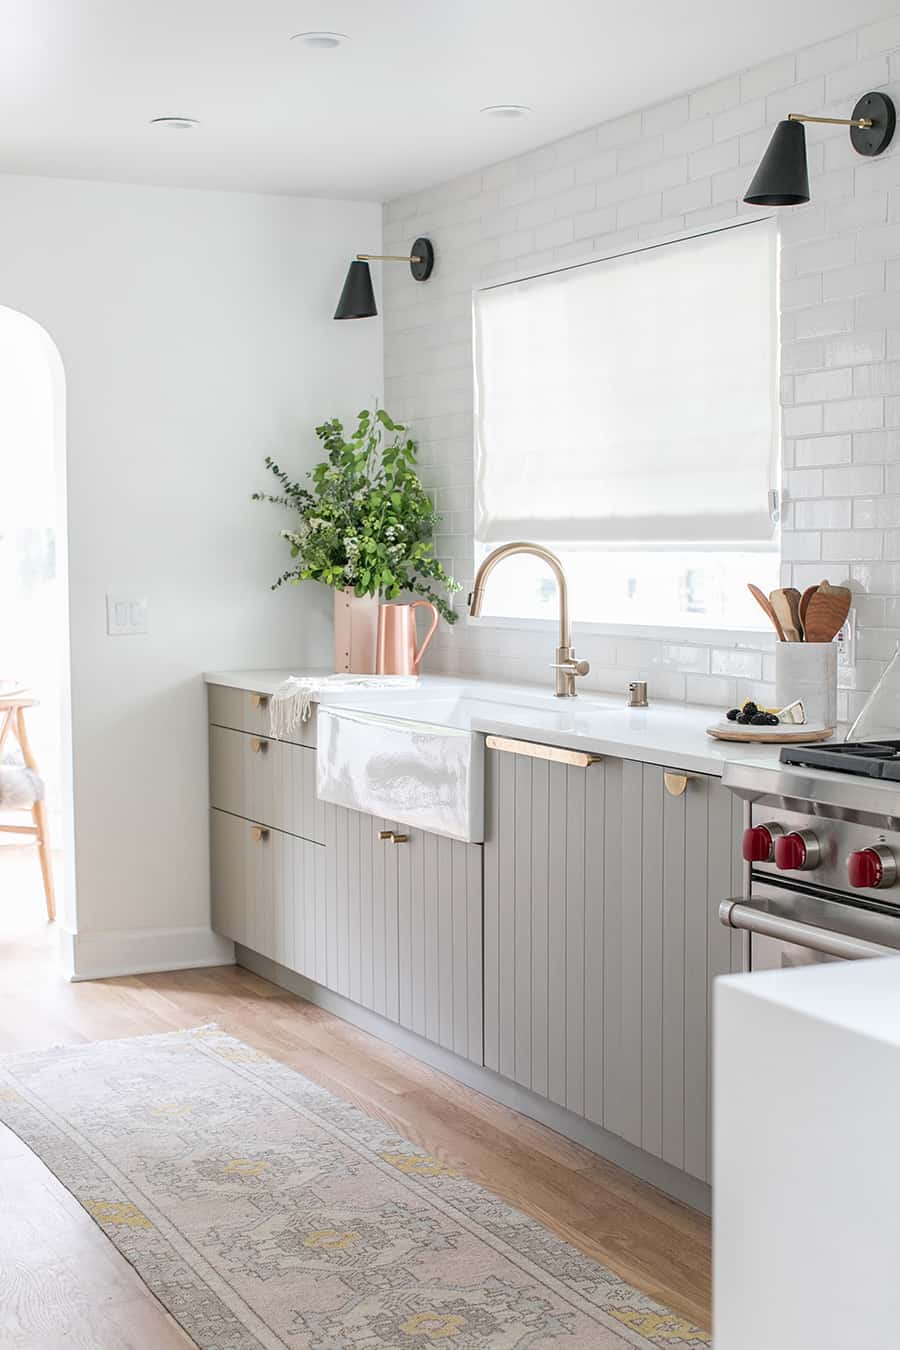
{"points": [[196, 336], [650, 174]]}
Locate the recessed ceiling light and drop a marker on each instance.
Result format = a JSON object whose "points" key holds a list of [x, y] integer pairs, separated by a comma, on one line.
{"points": [[322, 41], [508, 110], [176, 123]]}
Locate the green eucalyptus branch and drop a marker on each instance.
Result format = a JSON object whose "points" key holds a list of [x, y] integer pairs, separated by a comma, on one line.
{"points": [[367, 521]]}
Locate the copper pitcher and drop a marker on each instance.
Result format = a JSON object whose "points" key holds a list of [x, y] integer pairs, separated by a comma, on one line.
{"points": [[396, 652]]}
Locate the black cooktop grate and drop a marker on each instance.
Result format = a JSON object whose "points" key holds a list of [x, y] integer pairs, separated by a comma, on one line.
{"points": [[875, 759]]}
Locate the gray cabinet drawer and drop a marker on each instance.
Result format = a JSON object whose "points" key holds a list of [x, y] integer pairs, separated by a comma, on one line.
{"points": [[266, 781], [264, 891], [245, 711]]}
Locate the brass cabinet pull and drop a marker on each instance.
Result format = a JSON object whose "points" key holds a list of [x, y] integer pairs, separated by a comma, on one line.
{"points": [[258, 746], [259, 700], [259, 833], [388, 836], [579, 759], [676, 783]]}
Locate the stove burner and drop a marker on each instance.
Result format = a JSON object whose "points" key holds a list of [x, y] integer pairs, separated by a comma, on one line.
{"points": [[875, 759]]}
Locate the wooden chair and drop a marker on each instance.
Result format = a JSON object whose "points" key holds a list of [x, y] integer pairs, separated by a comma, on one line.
{"points": [[12, 725]]}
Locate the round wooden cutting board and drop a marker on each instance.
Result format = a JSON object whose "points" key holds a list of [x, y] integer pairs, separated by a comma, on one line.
{"points": [[734, 731]]}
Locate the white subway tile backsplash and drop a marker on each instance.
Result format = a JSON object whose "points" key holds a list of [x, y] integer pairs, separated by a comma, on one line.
{"points": [[876, 447], [883, 36], [802, 421], [881, 379], [821, 385], [777, 74], [743, 664], [598, 166], [876, 513], [847, 545], [681, 165], [822, 515], [802, 483], [826, 56], [855, 414], [715, 98], [853, 349], [857, 481], [822, 450], [860, 279]]}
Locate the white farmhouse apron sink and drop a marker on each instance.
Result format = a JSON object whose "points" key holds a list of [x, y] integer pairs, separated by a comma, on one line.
{"points": [[425, 769]]}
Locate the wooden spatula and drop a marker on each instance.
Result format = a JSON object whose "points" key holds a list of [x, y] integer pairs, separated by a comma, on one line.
{"points": [[804, 603], [786, 604], [826, 611], [763, 601]]}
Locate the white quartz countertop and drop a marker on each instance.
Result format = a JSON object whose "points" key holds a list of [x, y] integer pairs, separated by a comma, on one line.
{"points": [[862, 997], [670, 734]]}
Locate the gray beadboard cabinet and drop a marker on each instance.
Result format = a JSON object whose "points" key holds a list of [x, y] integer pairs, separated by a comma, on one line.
{"points": [[327, 892], [601, 941], [568, 960]]}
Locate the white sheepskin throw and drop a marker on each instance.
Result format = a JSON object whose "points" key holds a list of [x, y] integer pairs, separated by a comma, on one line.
{"points": [[20, 788]]}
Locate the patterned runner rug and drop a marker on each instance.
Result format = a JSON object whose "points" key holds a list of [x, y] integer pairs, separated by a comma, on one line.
{"points": [[264, 1212]]}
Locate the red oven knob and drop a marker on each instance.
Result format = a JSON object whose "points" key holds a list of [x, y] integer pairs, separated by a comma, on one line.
{"points": [[871, 868], [758, 844], [797, 852]]}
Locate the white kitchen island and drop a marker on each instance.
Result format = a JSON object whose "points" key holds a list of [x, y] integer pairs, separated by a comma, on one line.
{"points": [[806, 1173]]}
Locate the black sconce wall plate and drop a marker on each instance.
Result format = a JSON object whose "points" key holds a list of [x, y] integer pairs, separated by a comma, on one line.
{"points": [[422, 260], [880, 111]]}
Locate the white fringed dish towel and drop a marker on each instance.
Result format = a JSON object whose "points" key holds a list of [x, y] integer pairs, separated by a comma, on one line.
{"points": [[292, 701]]}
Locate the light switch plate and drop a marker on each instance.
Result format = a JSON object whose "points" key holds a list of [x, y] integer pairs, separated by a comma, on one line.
{"points": [[126, 615]]}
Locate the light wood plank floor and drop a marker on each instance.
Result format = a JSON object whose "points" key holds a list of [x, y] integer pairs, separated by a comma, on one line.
{"points": [[62, 1282]]}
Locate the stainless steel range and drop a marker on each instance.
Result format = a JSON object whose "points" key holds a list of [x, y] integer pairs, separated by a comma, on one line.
{"points": [[822, 841]]}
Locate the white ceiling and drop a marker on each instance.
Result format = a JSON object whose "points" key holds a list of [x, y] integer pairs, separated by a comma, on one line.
{"points": [[395, 109]]}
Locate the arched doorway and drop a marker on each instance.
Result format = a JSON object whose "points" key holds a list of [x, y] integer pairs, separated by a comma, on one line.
{"points": [[34, 664]]}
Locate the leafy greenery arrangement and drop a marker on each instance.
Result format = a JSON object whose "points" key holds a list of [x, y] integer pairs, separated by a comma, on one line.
{"points": [[368, 522]]}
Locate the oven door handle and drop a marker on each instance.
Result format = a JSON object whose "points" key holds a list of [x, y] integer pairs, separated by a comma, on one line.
{"points": [[737, 913]]}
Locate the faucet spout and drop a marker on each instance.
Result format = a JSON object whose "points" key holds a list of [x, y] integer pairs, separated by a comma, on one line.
{"points": [[566, 666]]}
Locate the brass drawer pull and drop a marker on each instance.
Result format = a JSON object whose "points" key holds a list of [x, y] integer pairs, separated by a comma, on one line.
{"points": [[579, 759], [259, 700], [676, 783], [258, 746], [388, 836], [259, 833]]}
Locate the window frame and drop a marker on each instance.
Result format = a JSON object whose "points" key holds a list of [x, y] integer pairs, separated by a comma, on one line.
{"points": [[681, 633]]}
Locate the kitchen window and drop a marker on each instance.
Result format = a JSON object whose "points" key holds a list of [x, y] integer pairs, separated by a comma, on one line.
{"points": [[626, 416]]}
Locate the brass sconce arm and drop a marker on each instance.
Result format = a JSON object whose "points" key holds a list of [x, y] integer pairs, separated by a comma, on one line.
{"points": [[388, 257], [832, 121]]}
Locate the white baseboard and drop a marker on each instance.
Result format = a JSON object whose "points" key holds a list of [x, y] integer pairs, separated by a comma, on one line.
{"points": [[140, 951]]}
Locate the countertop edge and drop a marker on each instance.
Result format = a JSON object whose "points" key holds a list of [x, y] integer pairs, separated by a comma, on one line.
{"points": [[691, 751]]}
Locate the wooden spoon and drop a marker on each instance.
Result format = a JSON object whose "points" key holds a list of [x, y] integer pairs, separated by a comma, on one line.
{"points": [[826, 612], [786, 604], [804, 603], [763, 601]]}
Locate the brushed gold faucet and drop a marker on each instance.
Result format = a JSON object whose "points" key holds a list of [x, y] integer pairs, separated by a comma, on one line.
{"points": [[565, 665]]}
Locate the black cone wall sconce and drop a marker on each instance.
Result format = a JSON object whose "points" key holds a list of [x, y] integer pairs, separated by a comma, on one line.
{"points": [[358, 299], [782, 178]]}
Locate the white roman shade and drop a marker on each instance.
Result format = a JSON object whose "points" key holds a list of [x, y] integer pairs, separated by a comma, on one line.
{"points": [[633, 399]]}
